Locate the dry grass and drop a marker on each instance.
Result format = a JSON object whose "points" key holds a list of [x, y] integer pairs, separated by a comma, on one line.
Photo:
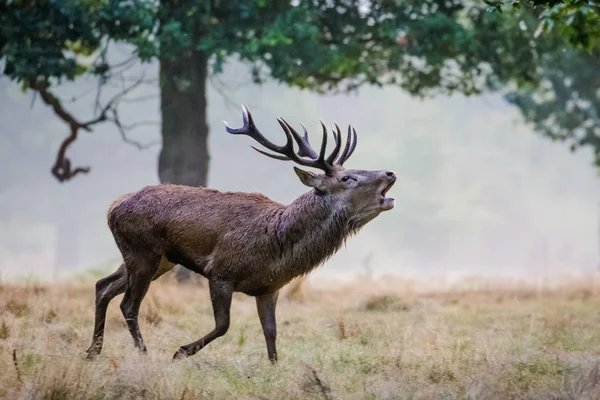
{"points": [[377, 340]]}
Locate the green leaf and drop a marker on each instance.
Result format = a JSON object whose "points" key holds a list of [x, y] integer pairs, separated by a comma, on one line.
{"points": [[325, 45]]}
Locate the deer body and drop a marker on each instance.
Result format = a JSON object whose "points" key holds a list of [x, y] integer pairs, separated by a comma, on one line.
{"points": [[241, 242], [245, 238]]}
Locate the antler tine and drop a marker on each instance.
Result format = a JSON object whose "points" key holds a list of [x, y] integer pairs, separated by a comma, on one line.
{"points": [[344, 155], [305, 137], [350, 146], [305, 140], [337, 135], [287, 151], [316, 161], [304, 149], [249, 129], [353, 143], [275, 156], [323, 143]]}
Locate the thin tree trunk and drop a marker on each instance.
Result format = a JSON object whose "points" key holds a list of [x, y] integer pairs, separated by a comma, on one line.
{"points": [[184, 157]]}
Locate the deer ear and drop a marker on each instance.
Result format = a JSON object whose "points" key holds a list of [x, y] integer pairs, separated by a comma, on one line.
{"points": [[309, 179]]}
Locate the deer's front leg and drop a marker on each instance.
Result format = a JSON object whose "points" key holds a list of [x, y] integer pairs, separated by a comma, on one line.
{"points": [[220, 295], [266, 312]]}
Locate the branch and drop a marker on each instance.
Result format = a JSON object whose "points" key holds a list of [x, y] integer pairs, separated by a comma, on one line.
{"points": [[75, 98], [140, 99], [62, 168], [102, 78], [123, 128], [229, 102], [126, 64], [149, 81]]}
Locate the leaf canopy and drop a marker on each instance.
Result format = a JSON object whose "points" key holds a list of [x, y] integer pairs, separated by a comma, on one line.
{"points": [[425, 47]]}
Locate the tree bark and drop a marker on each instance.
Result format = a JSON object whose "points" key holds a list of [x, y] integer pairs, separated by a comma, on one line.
{"points": [[184, 158]]}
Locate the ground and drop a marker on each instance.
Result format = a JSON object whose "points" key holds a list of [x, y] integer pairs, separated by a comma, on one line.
{"points": [[367, 339]]}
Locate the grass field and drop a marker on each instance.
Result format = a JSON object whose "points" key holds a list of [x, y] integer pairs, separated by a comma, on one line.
{"points": [[388, 339]]}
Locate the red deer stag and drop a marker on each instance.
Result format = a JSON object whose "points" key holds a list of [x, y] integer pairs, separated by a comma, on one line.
{"points": [[241, 242]]}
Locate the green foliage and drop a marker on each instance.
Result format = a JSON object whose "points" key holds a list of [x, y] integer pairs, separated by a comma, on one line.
{"points": [[578, 21], [424, 47], [566, 106], [564, 36], [322, 45], [41, 40]]}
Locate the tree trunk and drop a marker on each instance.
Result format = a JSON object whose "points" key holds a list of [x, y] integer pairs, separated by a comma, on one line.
{"points": [[184, 157]]}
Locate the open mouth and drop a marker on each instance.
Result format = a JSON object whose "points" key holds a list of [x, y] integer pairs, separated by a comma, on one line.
{"points": [[387, 203], [386, 189]]}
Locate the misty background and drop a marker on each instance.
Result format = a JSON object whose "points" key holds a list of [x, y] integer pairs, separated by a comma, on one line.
{"points": [[479, 193]]}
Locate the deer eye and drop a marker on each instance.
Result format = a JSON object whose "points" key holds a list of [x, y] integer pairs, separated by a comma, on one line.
{"points": [[346, 178]]}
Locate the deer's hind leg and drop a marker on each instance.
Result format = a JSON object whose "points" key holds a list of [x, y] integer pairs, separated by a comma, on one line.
{"points": [[106, 289], [141, 271]]}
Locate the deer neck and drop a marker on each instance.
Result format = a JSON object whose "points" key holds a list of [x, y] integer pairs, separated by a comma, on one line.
{"points": [[309, 231]]}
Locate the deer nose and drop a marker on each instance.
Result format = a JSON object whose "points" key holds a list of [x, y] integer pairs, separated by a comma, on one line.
{"points": [[390, 175]]}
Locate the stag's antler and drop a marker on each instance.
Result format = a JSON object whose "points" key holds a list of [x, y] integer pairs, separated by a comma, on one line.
{"points": [[287, 152]]}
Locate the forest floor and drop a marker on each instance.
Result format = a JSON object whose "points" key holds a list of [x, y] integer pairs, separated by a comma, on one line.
{"points": [[367, 339]]}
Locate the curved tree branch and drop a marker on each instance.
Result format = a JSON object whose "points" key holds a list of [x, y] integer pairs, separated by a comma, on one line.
{"points": [[62, 169]]}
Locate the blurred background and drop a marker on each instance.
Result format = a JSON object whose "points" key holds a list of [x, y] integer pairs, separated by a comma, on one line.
{"points": [[490, 120]]}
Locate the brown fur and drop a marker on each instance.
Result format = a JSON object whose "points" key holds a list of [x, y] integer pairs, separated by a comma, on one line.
{"points": [[241, 242], [245, 238]]}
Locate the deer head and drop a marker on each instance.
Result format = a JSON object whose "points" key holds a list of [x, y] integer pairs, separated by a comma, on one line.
{"points": [[359, 194]]}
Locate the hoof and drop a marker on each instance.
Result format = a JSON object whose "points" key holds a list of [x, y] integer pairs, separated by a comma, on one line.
{"points": [[180, 354], [92, 352]]}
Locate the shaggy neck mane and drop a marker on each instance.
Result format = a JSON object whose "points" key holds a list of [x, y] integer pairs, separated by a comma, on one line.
{"points": [[309, 231]]}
